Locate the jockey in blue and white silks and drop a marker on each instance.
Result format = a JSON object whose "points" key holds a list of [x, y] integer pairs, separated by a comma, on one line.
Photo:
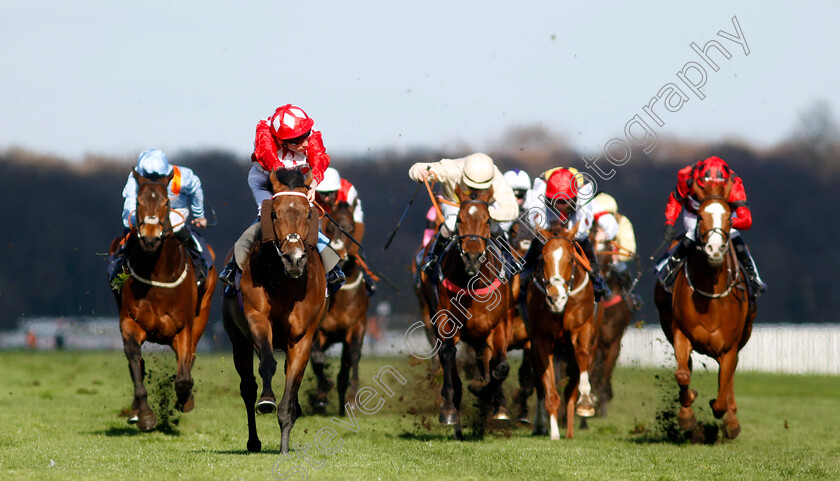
{"points": [[185, 193]]}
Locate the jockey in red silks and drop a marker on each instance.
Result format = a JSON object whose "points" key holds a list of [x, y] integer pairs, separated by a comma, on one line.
{"points": [[713, 169], [285, 140]]}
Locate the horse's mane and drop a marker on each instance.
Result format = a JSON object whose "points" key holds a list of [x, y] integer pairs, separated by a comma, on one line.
{"points": [[291, 178]]}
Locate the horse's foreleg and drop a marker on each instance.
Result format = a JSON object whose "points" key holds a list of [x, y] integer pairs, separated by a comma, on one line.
{"points": [[542, 356], [297, 356], [318, 359], [267, 403], [526, 385], [498, 373], [570, 393], [133, 336], [243, 361], [724, 406], [582, 340], [448, 412], [351, 353], [183, 347], [200, 321], [682, 351], [609, 362]]}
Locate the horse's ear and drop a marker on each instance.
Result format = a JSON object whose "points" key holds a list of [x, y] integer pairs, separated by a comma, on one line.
{"points": [[170, 177], [572, 231], [699, 191], [458, 191], [727, 188], [489, 194], [276, 186], [136, 175]]}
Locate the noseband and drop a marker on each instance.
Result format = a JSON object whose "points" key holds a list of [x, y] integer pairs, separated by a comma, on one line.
{"points": [[543, 286], [703, 237], [292, 238]]}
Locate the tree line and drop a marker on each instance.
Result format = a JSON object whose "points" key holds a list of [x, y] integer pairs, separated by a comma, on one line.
{"points": [[59, 218]]}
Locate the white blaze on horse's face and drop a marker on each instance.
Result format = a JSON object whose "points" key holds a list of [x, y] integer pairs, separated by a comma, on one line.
{"points": [[715, 246], [557, 293], [472, 210]]}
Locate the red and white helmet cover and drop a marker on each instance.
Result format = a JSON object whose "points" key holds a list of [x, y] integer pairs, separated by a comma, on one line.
{"points": [[289, 122]]}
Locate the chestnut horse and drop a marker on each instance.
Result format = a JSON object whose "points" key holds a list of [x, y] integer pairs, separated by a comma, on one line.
{"points": [[283, 296], [346, 318], [561, 314], [473, 305], [160, 302], [708, 309]]}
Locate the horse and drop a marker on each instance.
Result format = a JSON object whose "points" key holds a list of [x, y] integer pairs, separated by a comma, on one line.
{"points": [[708, 309], [472, 305], [283, 300], [617, 316], [561, 315], [160, 301], [346, 319]]}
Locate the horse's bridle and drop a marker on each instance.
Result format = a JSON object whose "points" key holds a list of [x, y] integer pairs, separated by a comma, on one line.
{"points": [[471, 237], [140, 222], [292, 237], [543, 285], [703, 237]]}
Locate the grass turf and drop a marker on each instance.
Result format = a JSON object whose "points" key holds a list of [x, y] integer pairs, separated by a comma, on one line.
{"points": [[63, 416]]}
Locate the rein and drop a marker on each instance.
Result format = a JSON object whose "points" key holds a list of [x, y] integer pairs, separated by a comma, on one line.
{"points": [[292, 237]]}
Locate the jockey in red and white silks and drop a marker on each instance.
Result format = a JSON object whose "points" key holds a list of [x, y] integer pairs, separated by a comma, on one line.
{"points": [[344, 191], [713, 169]]}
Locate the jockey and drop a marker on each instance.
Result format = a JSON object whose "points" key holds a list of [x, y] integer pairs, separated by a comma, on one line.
{"points": [[713, 169], [561, 195], [475, 171], [284, 141], [335, 189], [520, 182], [185, 196], [624, 242]]}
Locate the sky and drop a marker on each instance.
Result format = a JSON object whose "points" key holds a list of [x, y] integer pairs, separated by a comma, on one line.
{"points": [[100, 77]]}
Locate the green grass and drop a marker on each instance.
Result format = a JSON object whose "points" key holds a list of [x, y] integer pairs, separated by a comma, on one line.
{"points": [[60, 418]]}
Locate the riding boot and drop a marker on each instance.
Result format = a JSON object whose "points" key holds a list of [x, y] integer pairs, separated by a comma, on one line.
{"points": [[194, 249], [335, 279], [668, 267], [115, 267], [228, 274], [598, 282], [748, 263], [438, 244], [335, 276], [625, 280], [513, 263]]}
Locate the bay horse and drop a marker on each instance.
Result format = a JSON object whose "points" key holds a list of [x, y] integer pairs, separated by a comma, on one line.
{"points": [[472, 305], [283, 299], [160, 301], [561, 316], [708, 309], [617, 316], [346, 319]]}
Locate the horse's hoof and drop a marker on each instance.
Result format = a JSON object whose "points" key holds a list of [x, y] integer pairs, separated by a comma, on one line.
{"points": [[134, 417], [585, 407], [539, 431], [731, 427], [686, 419], [449, 419], [501, 414], [254, 446], [147, 422], [523, 419], [476, 387], [717, 412], [187, 406], [320, 403], [266, 406]]}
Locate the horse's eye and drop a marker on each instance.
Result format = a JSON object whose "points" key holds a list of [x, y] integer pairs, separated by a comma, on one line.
{"points": [[274, 215]]}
